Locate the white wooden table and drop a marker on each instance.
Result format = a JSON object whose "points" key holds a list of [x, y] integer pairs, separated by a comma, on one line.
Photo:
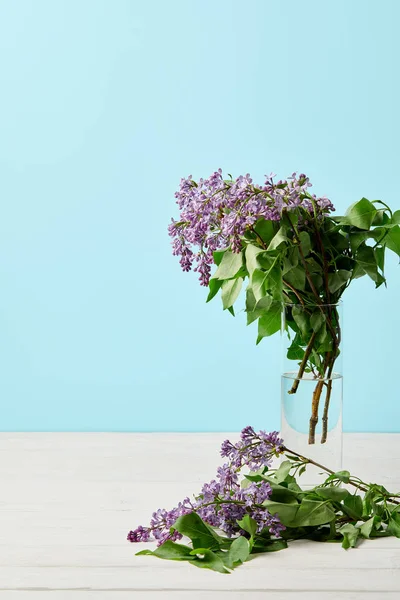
{"points": [[68, 500]]}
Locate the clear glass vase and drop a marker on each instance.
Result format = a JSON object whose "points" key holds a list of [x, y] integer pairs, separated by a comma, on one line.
{"points": [[312, 383]]}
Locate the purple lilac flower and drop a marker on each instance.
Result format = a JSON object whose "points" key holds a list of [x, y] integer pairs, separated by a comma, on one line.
{"points": [[215, 213], [222, 501], [255, 450]]}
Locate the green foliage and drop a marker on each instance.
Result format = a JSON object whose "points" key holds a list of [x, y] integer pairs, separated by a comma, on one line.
{"points": [[230, 291], [304, 261], [338, 279], [286, 512], [229, 266], [350, 535], [336, 494], [170, 551], [270, 322], [238, 552], [361, 214], [278, 239], [313, 512], [201, 535], [283, 471], [214, 287], [392, 239], [343, 476], [252, 253], [305, 243], [353, 506], [204, 558], [268, 545]]}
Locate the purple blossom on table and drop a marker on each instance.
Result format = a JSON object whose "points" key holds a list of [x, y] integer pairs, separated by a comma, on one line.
{"points": [[254, 450], [215, 213], [223, 501]]}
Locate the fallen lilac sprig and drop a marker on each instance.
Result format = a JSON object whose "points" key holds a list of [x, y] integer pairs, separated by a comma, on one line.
{"points": [[223, 502], [267, 508]]}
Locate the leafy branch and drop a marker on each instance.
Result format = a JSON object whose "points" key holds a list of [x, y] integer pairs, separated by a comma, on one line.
{"points": [[301, 265], [328, 512]]}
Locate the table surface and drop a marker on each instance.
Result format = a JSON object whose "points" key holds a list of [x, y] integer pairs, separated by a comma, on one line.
{"points": [[68, 500]]}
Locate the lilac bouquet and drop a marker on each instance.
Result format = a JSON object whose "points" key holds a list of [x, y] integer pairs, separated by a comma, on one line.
{"points": [[296, 257], [232, 518]]}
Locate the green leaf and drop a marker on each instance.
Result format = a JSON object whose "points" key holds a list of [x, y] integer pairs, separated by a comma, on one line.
{"points": [[361, 214], [296, 277], [317, 319], [350, 535], [394, 527], [218, 255], [358, 272], [283, 471], [353, 506], [230, 291], [341, 475], [214, 286], [278, 239], [305, 242], [258, 284], [200, 533], [270, 279], [290, 259], [284, 495], [338, 279], [265, 229], [313, 266], [230, 264], [251, 302], [264, 304], [392, 239], [357, 238], [381, 218], [238, 552], [250, 299], [286, 512], [261, 307], [312, 512], [301, 318], [170, 551], [295, 352], [367, 261], [273, 281], [336, 494], [396, 217], [262, 545], [270, 322], [207, 559], [248, 524], [366, 528], [380, 257], [251, 254]]}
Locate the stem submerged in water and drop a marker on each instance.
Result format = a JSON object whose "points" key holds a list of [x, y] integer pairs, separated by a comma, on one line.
{"points": [[325, 372], [303, 364]]}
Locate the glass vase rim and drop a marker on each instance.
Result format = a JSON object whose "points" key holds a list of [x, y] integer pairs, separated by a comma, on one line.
{"points": [[313, 304]]}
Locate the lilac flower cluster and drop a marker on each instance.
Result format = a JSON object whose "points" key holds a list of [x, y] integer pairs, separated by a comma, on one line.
{"points": [[215, 213], [254, 450], [222, 501]]}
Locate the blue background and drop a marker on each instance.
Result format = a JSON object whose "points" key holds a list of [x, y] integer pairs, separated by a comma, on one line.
{"points": [[104, 106]]}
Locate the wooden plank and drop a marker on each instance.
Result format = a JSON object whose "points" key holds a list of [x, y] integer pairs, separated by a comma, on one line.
{"points": [[260, 575], [369, 555], [194, 595]]}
